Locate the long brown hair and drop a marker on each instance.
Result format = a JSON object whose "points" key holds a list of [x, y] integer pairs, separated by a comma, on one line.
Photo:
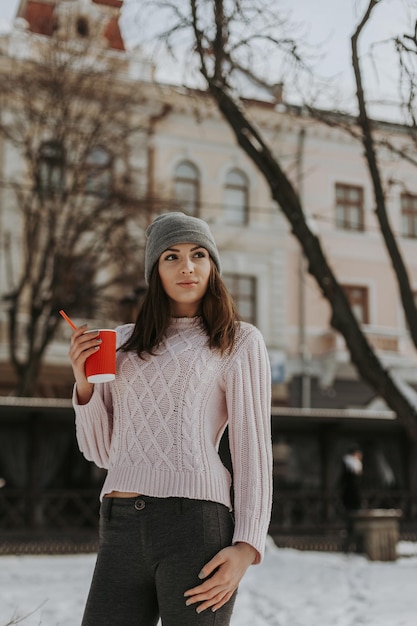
{"points": [[218, 314]]}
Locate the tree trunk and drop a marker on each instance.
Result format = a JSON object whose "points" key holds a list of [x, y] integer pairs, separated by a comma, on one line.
{"points": [[362, 354], [365, 125]]}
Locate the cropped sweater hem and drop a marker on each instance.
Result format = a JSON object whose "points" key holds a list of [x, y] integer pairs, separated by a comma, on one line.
{"points": [[163, 484]]}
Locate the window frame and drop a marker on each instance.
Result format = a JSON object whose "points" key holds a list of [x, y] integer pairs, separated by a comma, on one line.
{"points": [[232, 281], [243, 209], [193, 183], [348, 206], [51, 168], [94, 184], [363, 301], [409, 213]]}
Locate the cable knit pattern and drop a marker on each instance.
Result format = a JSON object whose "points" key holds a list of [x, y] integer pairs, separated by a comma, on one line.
{"points": [[156, 428]]}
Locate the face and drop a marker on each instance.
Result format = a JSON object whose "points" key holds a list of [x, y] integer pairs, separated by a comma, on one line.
{"points": [[184, 270]]}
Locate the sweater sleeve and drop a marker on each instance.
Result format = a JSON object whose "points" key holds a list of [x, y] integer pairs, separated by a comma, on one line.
{"points": [[94, 424], [248, 396], [94, 420]]}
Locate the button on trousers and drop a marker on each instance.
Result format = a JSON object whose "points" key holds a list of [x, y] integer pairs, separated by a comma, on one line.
{"points": [[151, 551]]}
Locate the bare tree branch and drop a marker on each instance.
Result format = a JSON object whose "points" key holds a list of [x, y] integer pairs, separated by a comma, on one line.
{"points": [[78, 216], [214, 54], [367, 137]]}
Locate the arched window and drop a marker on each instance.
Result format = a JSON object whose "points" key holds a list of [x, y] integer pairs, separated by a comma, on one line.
{"points": [[99, 175], [51, 165], [236, 198], [187, 187]]}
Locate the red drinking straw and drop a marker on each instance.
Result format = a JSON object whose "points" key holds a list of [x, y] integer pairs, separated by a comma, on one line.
{"points": [[67, 319]]}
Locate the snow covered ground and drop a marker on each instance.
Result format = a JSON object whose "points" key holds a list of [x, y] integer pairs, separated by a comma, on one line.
{"points": [[290, 588]]}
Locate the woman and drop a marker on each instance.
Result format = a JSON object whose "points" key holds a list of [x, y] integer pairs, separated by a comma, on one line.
{"points": [[169, 546]]}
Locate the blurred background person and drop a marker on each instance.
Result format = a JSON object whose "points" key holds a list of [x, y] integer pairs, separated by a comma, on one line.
{"points": [[350, 487]]}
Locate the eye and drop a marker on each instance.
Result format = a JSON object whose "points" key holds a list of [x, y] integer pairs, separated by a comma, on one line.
{"points": [[200, 254], [170, 257]]}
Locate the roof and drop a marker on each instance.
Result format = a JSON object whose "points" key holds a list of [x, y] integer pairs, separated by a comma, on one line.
{"points": [[117, 4], [40, 15]]}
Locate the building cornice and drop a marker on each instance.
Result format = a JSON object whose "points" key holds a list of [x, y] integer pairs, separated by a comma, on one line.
{"points": [[279, 411]]}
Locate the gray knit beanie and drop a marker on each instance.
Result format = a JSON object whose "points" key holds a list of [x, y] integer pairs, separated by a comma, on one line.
{"points": [[169, 229]]}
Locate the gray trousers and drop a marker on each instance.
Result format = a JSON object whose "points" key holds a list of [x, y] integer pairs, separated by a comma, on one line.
{"points": [[151, 551]]}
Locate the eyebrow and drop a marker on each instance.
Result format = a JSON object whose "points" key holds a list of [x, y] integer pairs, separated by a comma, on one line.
{"points": [[177, 249]]}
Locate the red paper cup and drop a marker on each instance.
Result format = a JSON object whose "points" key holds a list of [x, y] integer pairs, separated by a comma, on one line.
{"points": [[100, 367]]}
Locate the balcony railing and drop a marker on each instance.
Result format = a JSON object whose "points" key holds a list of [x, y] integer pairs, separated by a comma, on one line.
{"points": [[48, 510], [302, 511], [293, 510]]}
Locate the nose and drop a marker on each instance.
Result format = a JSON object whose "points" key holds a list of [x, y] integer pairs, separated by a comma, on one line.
{"points": [[187, 266]]}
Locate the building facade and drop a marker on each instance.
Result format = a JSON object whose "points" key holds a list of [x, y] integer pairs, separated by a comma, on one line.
{"points": [[184, 156]]}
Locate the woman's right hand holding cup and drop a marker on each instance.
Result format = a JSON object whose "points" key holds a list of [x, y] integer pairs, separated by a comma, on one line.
{"points": [[82, 346]]}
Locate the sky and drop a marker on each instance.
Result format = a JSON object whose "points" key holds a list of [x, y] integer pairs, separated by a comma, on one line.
{"points": [[330, 24], [8, 10], [289, 588], [326, 24], [326, 21]]}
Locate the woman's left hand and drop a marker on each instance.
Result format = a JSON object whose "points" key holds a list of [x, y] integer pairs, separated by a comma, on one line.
{"points": [[229, 565]]}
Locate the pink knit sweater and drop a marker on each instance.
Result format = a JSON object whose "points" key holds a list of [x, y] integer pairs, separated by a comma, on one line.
{"points": [[157, 426]]}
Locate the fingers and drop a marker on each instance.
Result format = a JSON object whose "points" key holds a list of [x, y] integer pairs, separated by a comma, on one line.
{"points": [[212, 594], [223, 601], [83, 341], [219, 587], [225, 571], [209, 567], [79, 331], [83, 344], [82, 335], [215, 602]]}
